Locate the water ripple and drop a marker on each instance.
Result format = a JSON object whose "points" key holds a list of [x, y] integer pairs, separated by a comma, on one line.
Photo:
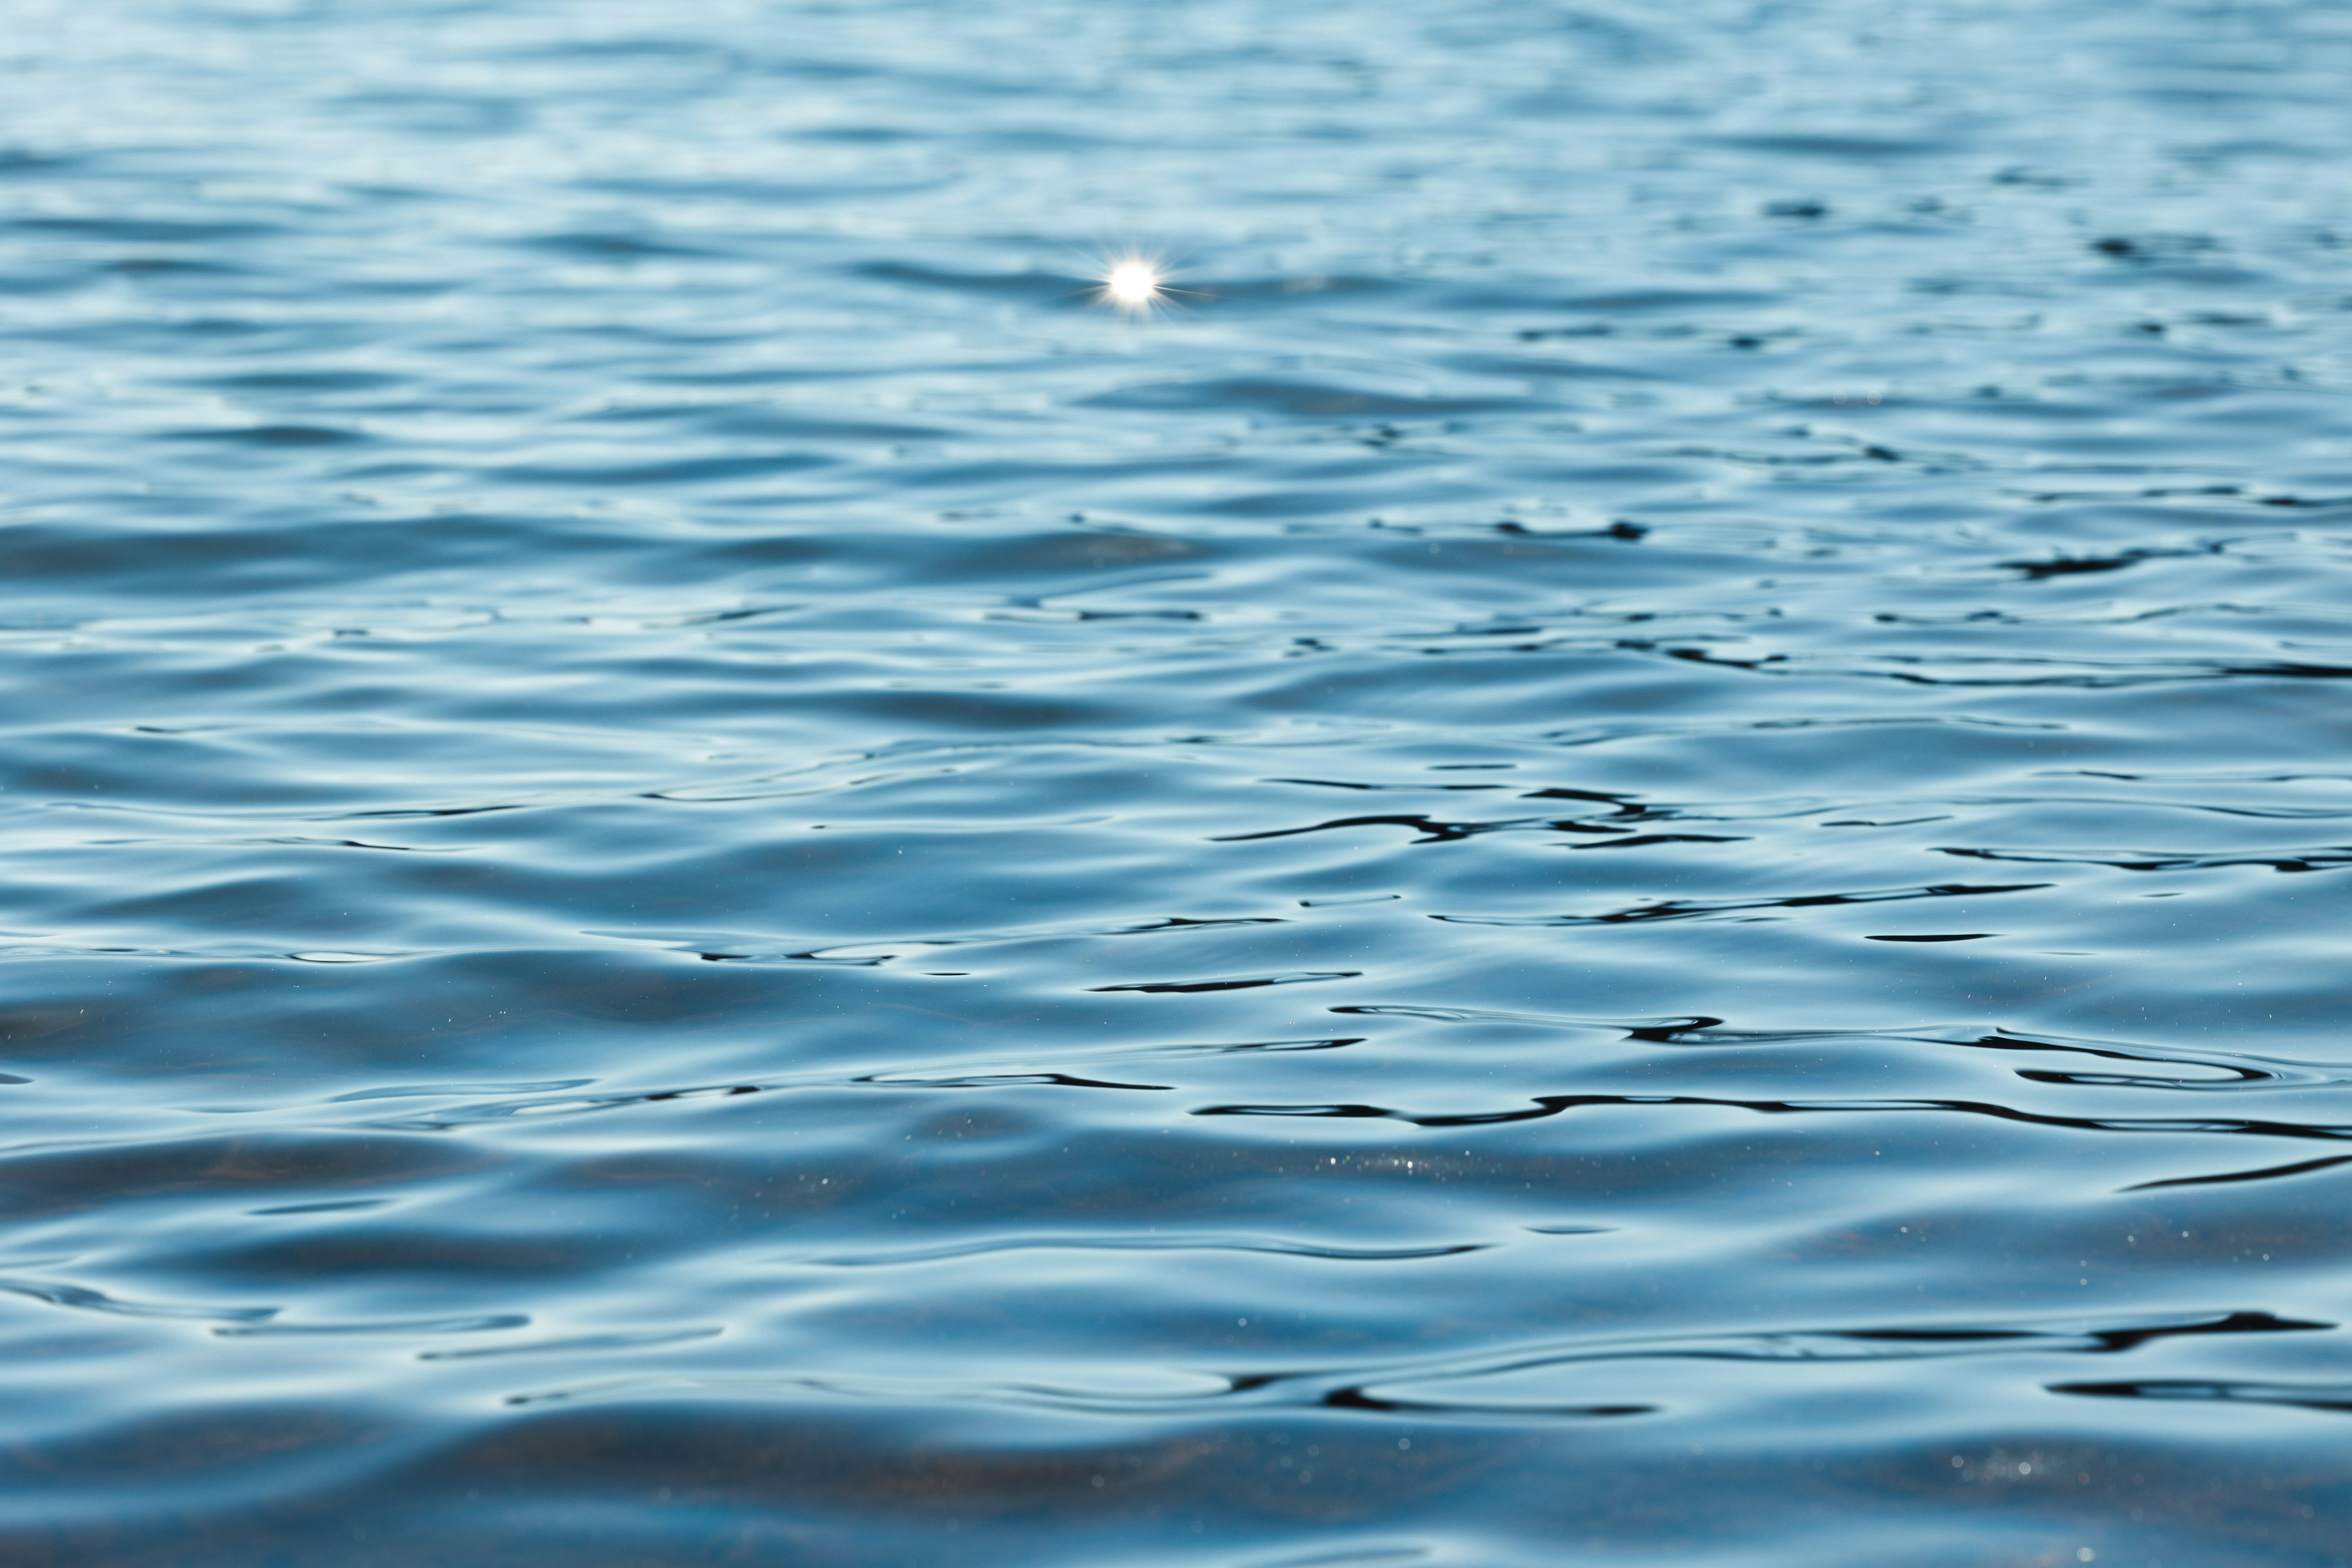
{"points": [[699, 870]]}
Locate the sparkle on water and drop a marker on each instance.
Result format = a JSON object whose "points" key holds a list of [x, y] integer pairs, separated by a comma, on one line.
{"points": [[1132, 283]]}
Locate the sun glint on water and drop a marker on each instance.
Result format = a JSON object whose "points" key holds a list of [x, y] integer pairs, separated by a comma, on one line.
{"points": [[1132, 284]]}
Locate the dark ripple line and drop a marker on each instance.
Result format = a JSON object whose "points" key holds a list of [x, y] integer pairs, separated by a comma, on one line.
{"points": [[1681, 909], [1344, 784], [1358, 1399], [1660, 1031], [995, 1080], [847, 954], [2315, 861], [2240, 1070], [1550, 1105], [1431, 830], [1945, 936], [1805, 1346], [1640, 840], [1435, 830], [1250, 983], [1786, 665], [2305, 1396], [2265, 1173]]}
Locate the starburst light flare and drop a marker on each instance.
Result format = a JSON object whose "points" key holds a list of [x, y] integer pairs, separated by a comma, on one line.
{"points": [[1132, 284]]}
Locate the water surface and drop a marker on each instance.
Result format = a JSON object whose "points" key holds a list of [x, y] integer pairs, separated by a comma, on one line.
{"points": [[1628, 850]]}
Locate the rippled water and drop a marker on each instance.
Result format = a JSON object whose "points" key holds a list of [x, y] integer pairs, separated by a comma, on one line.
{"points": [[1628, 850]]}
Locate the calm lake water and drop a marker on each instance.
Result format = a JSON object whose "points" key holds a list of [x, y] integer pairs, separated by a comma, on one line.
{"points": [[1629, 849]]}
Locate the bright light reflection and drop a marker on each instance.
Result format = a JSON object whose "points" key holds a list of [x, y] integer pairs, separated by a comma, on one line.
{"points": [[1132, 284]]}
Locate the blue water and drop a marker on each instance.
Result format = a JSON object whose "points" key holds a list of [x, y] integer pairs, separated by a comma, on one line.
{"points": [[1627, 848]]}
